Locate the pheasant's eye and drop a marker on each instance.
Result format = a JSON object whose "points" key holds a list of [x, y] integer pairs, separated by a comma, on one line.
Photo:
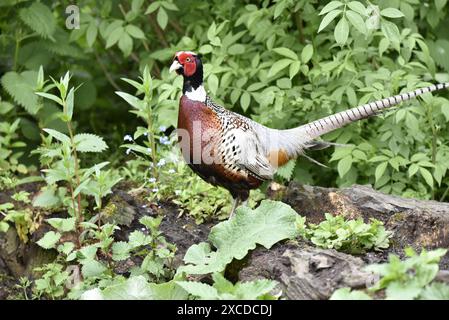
{"points": [[188, 59]]}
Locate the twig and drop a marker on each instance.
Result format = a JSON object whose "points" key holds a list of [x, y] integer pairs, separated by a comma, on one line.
{"points": [[298, 21], [158, 30], [106, 73]]}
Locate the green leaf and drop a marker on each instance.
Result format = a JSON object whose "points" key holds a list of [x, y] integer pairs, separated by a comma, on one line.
{"points": [[4, 226], [278, 66], [286, 171], [357, 7], [271, 222], [133, 101], [21, 87], [435, 291], [341, 31], [286, 52], [39, 18], [152, 7], [49, 240], [91, 33], [307, 53], [328, 18], [120, 251], [114, 36], [357, 21], [68, 112], [391, 31], [380, 170], [125, 44], [330, 6], [62, 225], [87, 142], [245, 100], [236, 49], [135, 31], [92, 268], [58, 135], [294, 69], [212, 82], [134, 288], [162, 18], [427, 176], [391, 13], [50, 96], [198, 289], [344, 165]]}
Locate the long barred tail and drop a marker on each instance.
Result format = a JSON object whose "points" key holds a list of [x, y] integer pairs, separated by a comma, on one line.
{"points": [[330, 123]]}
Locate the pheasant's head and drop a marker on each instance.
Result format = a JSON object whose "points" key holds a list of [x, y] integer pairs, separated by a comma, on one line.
{"points": [[187, 63]]}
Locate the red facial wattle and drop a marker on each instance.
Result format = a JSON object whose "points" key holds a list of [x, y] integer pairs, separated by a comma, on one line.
{"points": [[188, 62]]}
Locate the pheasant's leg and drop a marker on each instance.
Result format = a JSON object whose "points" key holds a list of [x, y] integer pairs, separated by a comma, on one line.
{"points": [[235, 204]]}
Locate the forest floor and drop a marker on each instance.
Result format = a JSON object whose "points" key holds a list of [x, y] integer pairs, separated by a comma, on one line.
{"points": [[303, 270]]}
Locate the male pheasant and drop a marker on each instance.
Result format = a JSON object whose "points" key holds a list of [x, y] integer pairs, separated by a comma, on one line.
{"points": [[229, 150]]}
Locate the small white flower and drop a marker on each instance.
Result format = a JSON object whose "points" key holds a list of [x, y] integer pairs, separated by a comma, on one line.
{"points": [[128, 138], [162, 128], [155, 190], [152, 180], [128, 151], [149, 150], [145, 134], [143, 229], [164, 140], [177, 192], [171, 171], [161, 163]]}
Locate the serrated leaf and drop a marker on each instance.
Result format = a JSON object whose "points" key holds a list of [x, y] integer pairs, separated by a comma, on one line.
{"points": [[120, 251], [271, 222], [39, 18], [49, 240], [87, 142], [92, 268], [286, 171], [134, 288], [21, 88], [62, 225], [46, 199], [328, 18], [198, 289], [347, 294]]}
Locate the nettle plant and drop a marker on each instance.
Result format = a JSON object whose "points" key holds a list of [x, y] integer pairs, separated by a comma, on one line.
{"points": [[412, 278]]}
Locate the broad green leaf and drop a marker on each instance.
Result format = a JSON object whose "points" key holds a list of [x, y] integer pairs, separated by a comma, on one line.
{"points": [[341, 31], [427, 176], [92, 268], [357, 7], [278, 66], [391, 31], [21, 87], [331, 6], [307, 53], [49, 240], [134, 31], [245, 100], [120, 251], [91, 33], [328, 18], [39, 18], [294, 69], [357, 21], [380, 170], [125, 44], [62, 225], [87, 142], [286, 52], [200, 290], [271, 222], [212, 82], [162, 18], [132, 100], [391, 13], [344, 165]]}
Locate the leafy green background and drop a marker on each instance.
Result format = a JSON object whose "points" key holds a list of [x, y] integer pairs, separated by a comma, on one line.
{"points": [[282, 63]]}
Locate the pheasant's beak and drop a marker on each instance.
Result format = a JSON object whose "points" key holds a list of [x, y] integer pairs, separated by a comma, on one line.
{"points": [[175, 66]]}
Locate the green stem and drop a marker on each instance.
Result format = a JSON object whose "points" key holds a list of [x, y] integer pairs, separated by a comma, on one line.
{"points": [[434, 140], [16, 52], [151, 136], [444, 194]]}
